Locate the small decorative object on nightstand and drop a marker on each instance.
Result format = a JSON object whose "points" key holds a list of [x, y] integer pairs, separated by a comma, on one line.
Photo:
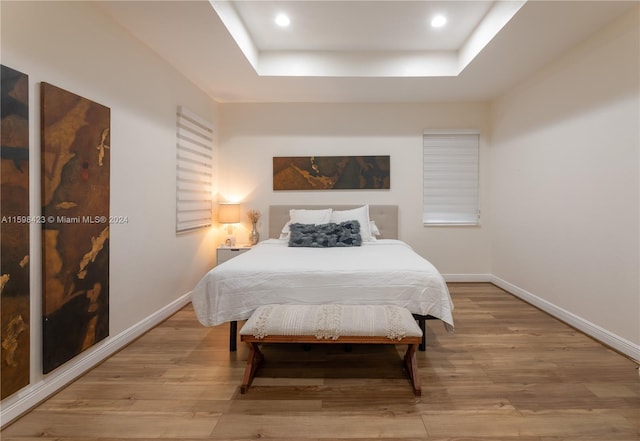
{"points": [[254, 217]]}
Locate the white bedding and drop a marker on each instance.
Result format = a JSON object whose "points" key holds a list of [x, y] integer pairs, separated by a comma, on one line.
{"points": [[384, 272]]}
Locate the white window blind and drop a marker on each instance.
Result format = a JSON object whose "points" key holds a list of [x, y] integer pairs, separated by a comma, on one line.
{"points": [[194, 171], [450, 176]]}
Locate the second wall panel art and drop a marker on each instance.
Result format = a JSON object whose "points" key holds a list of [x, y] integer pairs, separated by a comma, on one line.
{"points": [[75, 239]]}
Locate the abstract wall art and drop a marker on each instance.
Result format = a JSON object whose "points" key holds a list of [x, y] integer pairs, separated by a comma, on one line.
{"points": [[331, 172], [14, 231], [75, 237]]}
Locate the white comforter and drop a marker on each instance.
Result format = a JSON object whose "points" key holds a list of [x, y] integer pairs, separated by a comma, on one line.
{"points": [[380, 272]]}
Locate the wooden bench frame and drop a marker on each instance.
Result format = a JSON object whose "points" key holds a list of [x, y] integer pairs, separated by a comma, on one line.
{"points": [[233, 332], [256, 356]]}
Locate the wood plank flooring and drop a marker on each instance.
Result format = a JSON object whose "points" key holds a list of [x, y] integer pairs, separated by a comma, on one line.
{"points": [[509, 372]]}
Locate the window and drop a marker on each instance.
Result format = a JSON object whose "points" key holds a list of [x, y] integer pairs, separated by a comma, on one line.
{"points": [[450, 178], [194, 172]]}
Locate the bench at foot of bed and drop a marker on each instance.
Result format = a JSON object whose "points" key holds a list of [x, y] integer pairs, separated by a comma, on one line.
{"points": [[421, 319], [331, 324]]}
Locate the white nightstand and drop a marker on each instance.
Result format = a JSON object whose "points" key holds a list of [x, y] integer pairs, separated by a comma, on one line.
{"points": [[226, 253]]}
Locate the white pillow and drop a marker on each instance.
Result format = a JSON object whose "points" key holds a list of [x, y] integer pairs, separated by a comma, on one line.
{"points": [[284, 233], [303, 216], [375, 231], [360, 214]]}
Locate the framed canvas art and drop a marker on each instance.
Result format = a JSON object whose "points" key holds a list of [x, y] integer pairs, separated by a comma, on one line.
{"points": [[14, 232], [331, 172], [75, 238]]}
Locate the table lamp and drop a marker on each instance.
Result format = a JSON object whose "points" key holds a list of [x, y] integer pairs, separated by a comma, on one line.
{"points": [[229, 213]]}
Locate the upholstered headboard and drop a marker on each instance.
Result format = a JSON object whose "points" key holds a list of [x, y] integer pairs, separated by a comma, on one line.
{"points": [[386, 217]]}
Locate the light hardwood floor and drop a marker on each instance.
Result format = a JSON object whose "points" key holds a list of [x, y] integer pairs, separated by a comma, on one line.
{"points": [[510, 372]]}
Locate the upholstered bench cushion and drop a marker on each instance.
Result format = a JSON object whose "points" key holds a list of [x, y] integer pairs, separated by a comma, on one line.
{"points": [[332, 321]]}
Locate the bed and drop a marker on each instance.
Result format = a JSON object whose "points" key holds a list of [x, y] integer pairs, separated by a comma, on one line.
{"points": [[383, 270]]}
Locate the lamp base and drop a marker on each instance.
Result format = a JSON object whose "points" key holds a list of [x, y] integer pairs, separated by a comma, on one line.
{"points": [[230, 241]]}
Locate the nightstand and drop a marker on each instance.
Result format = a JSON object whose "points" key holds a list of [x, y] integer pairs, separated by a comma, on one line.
{"points": [[222, 255], [226, 253]]}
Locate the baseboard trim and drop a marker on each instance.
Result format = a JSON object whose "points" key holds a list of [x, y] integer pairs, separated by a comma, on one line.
{"points": [[468, 278], [30, 396], [610, 339]]}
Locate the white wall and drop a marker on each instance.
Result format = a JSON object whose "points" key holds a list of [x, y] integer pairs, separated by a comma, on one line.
{"points": [[565, 183], [74, 46], [252, 134]]}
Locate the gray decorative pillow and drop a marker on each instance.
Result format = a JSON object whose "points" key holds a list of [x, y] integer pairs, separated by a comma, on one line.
{"points": [[343, 234]]}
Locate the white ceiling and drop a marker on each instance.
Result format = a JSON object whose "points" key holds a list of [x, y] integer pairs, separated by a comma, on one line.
{"points": [[363, 38], [360, 51], [360, 25]]}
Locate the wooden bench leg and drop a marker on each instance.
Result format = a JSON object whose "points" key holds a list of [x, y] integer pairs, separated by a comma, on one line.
{"points": [[411, 365], [253, 363]]}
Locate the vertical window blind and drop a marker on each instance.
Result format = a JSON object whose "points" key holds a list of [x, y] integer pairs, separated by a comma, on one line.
{"points": [[450, 178], [194, 171]]}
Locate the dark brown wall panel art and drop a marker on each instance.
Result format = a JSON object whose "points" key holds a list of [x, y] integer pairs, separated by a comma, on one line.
{"points": [[14, 231], [331, 172], [75, 237]]}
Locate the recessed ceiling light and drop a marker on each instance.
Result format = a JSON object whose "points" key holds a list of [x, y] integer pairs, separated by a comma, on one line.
{"points": [[282, 20], [438, 21]]}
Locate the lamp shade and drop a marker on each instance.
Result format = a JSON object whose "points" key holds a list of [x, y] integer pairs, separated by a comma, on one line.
{"points": [[229, 213]]}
